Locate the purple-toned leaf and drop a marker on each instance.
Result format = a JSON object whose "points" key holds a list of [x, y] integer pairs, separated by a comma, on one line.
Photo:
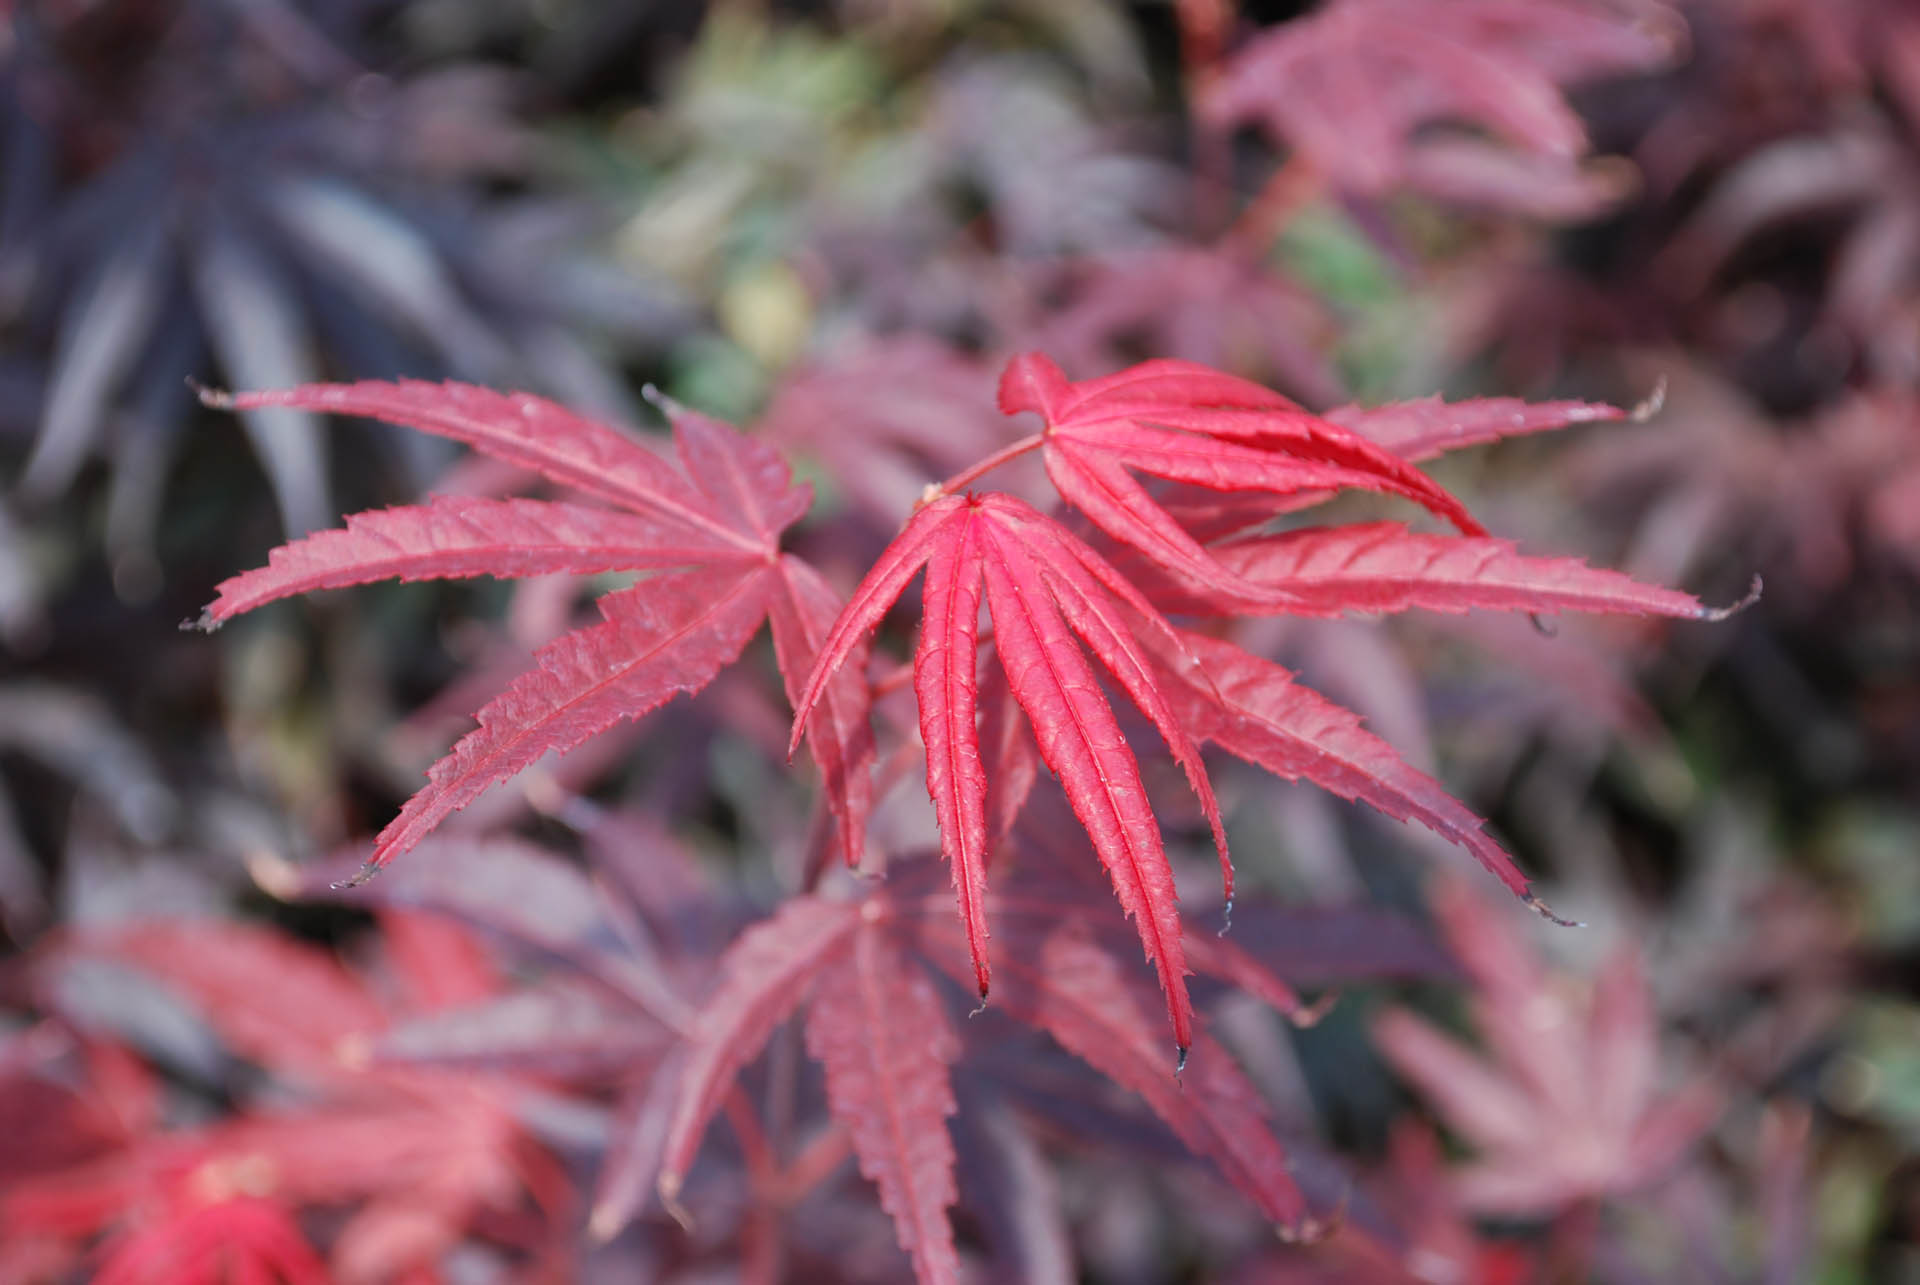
{"points": [[764, 977], [1077, 992], [1257, 712], [881, 1030]]}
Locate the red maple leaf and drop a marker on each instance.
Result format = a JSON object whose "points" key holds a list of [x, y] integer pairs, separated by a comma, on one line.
{"points": [[1566, 1105], [705, 537], [1353, 90], [1042, 586], [416, 1156], [706, 532], [884, 1035]]}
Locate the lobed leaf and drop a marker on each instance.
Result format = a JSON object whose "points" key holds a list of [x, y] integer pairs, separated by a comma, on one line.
{"points": [[881, 1030], [872, 598], [1076, 991], [1232, 450], [1382, 566], [944, 683], [1085, 587], [1427, 426], [1032, 382], [524, 430], [668, 634], [764, 976], [1084, 746], [1255, 711], [1103, 490], [1186, 424], [802, 608], [739, 476], [454, 536]]}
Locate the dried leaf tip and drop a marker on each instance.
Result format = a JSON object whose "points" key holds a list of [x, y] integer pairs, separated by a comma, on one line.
{"points": [[1180, 1060], [669, 1188], [204, 623], [1650, 406], [274, 875], [1713, 615], [1545, 911], [604, 1223], [1308, 1016], [366, 872], [214, 398], [668, 406]]}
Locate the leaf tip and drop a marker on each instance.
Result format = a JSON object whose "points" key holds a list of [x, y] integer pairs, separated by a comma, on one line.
{"points": [[274, 875], [1226, 918], [204, 623], [1032, 382], [1714, 615], [1545, 911], [360, 876], [1180, 1058], [1309, 1015], [604, 1223], [669, 1188], [213, 398], [1650, 405], [671, 407]]}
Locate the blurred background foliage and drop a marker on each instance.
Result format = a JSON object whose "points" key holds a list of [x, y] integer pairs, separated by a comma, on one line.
{"points": [[835, 220]]}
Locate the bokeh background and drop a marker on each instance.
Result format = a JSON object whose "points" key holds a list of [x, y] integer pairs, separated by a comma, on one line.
{"points": [[833, 222]]}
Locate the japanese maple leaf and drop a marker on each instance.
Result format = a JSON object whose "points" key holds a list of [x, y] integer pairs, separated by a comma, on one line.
{"points": [[1187, 424], [1042, 586], [1566, 1104], [1216, 304], [705, 534], [886, 414], [858, 970], [884, 1035], [1353, 88], [417, 1156]]}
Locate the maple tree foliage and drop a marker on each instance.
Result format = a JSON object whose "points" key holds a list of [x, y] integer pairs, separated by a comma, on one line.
{"points": [[1354, 89], [421, 1155], [710, 526], [703, 533], [1583, 1074]]}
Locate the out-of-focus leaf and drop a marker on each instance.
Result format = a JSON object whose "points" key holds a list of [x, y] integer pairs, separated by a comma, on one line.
{"points": [[74, 734], [389, 262], [102, 337], [262, 342], [1567, 1105]]}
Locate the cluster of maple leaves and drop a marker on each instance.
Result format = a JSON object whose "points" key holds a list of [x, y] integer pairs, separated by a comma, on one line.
{"points": [[1222, 460], [1184, 505]]}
